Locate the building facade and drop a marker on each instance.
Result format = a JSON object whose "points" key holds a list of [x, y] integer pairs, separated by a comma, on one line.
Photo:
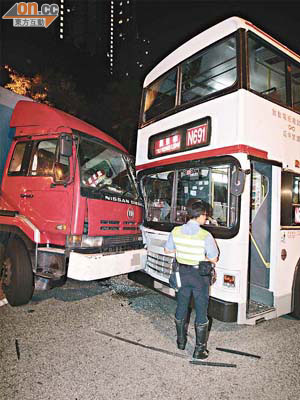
{"points": [[108, 30]]}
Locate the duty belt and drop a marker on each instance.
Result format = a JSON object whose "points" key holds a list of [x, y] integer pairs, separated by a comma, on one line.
{"points": [[188, 265]]}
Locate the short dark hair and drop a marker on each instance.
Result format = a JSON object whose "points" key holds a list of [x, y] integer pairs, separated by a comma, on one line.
{"points": [[197, 208]]}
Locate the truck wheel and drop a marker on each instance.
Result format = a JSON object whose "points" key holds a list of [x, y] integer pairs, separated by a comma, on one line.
{"points": [[18, 281]]}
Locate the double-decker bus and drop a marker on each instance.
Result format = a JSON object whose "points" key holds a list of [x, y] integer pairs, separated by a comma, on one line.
{"points": [[220, 122]]}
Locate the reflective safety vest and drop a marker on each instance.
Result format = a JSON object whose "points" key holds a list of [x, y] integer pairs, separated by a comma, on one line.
{"points": [[190, 249]]}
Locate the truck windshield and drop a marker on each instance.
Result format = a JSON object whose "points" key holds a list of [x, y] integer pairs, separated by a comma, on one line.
{"points": [[167, 194], [105, 169]]}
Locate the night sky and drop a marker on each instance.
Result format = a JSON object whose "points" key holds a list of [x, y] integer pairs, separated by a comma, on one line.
{"points": [[169, 23]]}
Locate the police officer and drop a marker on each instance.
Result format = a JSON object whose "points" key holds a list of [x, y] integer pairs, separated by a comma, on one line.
{"points": [[193, 244]]}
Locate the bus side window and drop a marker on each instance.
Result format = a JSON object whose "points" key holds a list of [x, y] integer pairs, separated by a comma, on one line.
{"points": [[260, 188], [296, 200], [295, 86], [267, 71], [290, 199]]}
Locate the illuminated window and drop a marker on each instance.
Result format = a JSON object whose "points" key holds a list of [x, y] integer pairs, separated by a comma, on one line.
{"points": [[209, 71]]}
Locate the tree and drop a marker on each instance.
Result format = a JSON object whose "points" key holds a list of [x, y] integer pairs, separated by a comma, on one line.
{"points": [[50, 87]]}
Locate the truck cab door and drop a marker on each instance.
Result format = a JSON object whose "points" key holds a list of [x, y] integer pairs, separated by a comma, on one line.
{"points": [[33, 190]]}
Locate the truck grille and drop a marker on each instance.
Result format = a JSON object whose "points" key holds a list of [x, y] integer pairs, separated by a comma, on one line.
{"points": [[114, 225], [160, 264], [121, 239]]}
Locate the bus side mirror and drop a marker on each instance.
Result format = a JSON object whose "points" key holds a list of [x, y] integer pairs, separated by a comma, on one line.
{"points": [[65, 145], [238, 179]]}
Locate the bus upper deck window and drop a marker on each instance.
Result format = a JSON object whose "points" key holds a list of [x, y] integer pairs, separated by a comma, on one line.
{"points": [[209, 71], [160, 96]]}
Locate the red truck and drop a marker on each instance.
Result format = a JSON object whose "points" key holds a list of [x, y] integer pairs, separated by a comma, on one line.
{"points": [[69, 205]]}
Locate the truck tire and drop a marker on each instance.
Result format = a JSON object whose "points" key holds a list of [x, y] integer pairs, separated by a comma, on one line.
{"points": [[18, 280]]}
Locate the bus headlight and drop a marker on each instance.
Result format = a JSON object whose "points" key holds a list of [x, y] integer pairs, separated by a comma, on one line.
{"points": [[83, 241], [229, 281]]}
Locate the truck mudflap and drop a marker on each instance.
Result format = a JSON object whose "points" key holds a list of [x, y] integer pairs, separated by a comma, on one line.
{"points": [[88, 267]]}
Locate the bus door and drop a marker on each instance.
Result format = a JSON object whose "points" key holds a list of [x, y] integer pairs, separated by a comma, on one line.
{"points": [[260, 298]]}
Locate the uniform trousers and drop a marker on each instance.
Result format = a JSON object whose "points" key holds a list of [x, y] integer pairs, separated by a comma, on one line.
{"points": [[198, 286]]}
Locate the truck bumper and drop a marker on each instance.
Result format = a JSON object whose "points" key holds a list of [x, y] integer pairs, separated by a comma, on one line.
{"points": [[89, 267]]}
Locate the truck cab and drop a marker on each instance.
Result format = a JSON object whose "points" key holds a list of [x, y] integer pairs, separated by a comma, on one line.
{"points": [[69, 206]]}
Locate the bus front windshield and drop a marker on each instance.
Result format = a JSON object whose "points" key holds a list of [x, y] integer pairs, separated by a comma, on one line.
{"points": [[104, 169], [168, 194]]}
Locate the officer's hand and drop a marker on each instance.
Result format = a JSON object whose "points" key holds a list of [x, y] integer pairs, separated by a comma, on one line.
{"points": [[213, 276]]}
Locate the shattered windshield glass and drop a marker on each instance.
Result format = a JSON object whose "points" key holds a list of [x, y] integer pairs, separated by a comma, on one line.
{"points": [[104, 169]]}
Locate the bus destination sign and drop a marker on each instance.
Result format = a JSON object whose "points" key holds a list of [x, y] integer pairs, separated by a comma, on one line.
{"points": [[185, 137], [167, 145]]}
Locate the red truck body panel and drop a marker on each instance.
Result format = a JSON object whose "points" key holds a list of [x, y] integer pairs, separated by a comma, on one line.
{"points": [[108, 218], [35, 118]]}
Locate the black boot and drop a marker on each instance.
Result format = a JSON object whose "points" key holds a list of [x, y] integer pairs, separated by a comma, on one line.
{"points": [[201, 351], [181, 328]]}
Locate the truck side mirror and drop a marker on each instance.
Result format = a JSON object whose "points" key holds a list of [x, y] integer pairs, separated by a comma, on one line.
{"points": [[238, 179], [65, 145]]}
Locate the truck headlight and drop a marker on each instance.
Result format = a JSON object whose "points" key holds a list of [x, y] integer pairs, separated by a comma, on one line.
{"points": [[91, 241], [83, 241]]}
